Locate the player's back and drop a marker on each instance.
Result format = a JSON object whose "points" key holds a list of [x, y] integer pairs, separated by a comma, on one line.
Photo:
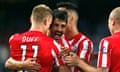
{"points": [[114, 42], [32, 44]]}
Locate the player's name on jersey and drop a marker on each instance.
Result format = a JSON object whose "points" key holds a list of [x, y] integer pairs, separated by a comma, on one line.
{"points": [[29, 39]]}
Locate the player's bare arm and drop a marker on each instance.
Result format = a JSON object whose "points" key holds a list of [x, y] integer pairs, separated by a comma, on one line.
{"points": [[28, 64], [103, 69], [88, 68], [74, 60]]}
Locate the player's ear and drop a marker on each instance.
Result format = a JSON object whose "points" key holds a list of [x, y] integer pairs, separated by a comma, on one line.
{"points": [[71, 19], [113, 22], [45, 21], [31, 19]]}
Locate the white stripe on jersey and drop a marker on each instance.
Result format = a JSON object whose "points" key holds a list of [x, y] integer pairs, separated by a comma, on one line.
{"points": [[55, 57], [84, 50], [104, 57], [65, 43], [57, 45], [98, 60], [75, 46]]}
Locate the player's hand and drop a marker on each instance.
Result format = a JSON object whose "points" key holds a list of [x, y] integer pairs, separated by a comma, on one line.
{"points": [[64, 51], [72, 59], [31, 65]]}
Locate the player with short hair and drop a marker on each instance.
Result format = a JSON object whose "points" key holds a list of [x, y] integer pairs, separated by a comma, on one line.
{"points": [[58, 25], [109, 49], [34, 43], [78, 42], [56, 31]]}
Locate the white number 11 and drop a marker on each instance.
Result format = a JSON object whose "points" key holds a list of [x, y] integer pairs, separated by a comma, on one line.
{"points": [[24, 47]]}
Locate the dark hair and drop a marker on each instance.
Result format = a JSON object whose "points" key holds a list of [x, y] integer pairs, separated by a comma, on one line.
{"points": [[62, 15], [68, 5]]}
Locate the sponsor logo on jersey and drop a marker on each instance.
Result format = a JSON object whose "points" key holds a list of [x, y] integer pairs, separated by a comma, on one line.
{"points": [[104, 50]]}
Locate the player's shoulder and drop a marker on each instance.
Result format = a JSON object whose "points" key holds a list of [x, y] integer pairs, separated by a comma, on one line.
{"points": [[107, 39], [85, 37], [48, 38], [16, 35]]}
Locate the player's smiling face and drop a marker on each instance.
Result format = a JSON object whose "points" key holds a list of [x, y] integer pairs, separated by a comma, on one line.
{"points": [[57, 29]]}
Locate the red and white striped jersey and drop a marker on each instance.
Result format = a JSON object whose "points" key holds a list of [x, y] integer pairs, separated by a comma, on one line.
{"points": [[55, 53], [109, 53], [81, 45]]}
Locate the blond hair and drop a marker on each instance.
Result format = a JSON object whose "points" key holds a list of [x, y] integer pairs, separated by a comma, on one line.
{"points": [[116, 14], [40, 12]]}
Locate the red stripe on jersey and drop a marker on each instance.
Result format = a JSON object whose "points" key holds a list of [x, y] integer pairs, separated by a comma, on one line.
{"points": [[89, 51], [57, 50]]}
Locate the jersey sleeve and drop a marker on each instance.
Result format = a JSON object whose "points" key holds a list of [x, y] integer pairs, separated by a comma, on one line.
{"points": [[104, 55], [85, 49], [11, 39], [12, 44]]}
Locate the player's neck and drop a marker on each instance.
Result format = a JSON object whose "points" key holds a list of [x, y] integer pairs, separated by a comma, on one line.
{"points": [[37, 28], [116, 31], [71, 33]]}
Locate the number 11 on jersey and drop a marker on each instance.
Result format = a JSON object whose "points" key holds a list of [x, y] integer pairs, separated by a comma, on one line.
{"points": [[24, 51]]}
